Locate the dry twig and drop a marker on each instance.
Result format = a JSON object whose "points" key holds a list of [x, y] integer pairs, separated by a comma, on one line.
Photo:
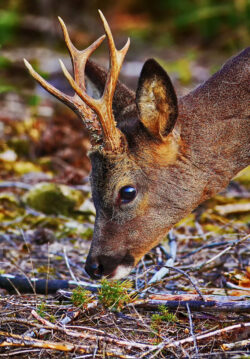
{"points": [[236, 345], [177, 343], [107, 339]]}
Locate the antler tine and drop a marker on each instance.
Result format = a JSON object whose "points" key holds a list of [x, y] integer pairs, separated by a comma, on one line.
{"points": [[103, 106], [91, 102], [48, 87], [116, 61], [79, 58], [75, 103]]}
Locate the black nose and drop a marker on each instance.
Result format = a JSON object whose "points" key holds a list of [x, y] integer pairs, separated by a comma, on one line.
{"points": [[103, 265], [93, 269]]}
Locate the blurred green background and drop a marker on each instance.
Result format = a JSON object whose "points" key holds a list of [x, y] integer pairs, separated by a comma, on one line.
{"points": [[168, 29], [213, 23], [190, 38]]}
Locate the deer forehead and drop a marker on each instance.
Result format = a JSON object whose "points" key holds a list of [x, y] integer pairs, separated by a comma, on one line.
{"points": [[109, 173]]}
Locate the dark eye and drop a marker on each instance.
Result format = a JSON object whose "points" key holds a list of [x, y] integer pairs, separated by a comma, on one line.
{"points": [[127, 194]]}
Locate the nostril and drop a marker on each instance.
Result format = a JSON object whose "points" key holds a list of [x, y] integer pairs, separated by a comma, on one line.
{"points": [[94, 266], [96, 270], [93, 269]]}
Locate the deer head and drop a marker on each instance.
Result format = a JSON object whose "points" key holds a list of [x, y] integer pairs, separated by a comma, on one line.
{"points": [[146, 171]]}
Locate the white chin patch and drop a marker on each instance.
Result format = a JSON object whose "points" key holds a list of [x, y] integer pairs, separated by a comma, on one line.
{"points": [[121, 272]]}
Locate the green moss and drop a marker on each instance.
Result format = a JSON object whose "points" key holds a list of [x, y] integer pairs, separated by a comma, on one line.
{"points": [[41, 309], [51, 198], [115, 294], [34, 100], [5, 88], [9, 207], [22, 167], [45, 269], [163, 316], [81, 297]]}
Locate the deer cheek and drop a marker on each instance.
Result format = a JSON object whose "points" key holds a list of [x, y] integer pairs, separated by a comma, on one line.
{"points": [[143, 205], [143, 248]]}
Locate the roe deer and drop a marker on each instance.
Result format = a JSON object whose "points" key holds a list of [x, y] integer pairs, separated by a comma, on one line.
{"points": [[154, 158]]}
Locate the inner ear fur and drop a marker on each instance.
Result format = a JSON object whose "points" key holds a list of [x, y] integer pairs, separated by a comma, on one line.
{"points": [[156, 100]]}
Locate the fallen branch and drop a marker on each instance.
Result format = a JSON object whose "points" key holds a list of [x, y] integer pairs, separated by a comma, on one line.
{"points": [[234, 286], [15, 340], [177, 343], [21, 285], [67, 319], [202, 297], [211, 303]]}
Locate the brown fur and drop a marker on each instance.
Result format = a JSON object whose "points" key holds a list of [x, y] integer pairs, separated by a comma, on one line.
{"points": [[210, 143], [164, 153]]}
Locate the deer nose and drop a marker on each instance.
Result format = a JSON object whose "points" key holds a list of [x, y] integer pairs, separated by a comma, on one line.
{"points": [[93, 269], [102, 265]]}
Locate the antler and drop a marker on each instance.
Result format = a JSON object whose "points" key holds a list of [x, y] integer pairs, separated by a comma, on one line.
{"points": [[79, 59], [113, 139]]}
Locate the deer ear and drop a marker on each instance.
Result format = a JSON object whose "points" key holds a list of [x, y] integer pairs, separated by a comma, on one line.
{"points": [[156, 100]]}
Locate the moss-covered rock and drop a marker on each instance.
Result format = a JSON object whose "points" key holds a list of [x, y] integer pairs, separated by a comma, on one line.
{"points": [[51, 198]]}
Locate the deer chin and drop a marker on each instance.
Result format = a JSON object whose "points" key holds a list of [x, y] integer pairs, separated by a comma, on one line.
{"points": [[120, 272]]}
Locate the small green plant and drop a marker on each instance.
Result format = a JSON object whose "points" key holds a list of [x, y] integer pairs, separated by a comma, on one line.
{"points": [[115, 294], [81, 297], [164, 316], [52, 318], [41, 309]]}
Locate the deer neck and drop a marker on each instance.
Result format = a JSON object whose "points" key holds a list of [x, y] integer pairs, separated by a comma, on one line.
{"points": [[214, 123]]}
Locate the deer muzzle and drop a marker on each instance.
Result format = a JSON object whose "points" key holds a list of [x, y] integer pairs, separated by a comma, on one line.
{"points": [[113, 267]]}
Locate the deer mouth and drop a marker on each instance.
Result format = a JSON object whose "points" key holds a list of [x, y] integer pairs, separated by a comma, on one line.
{"points": [[120, 272]]}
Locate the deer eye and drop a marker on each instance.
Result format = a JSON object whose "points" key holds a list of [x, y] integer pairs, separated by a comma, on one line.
{"points": [[127, 194]]}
